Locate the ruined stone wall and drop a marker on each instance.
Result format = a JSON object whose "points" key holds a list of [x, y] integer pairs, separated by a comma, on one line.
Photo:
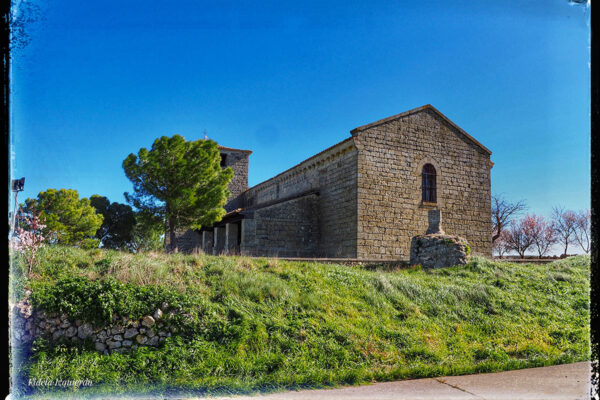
{"points": [[390, 160], [333, 173], [121, 336]]}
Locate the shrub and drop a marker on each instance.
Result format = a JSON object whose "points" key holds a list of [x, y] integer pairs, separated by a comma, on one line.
{"points": [[99, 301]]}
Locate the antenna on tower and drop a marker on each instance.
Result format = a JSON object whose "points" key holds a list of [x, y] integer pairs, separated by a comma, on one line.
{"points": [[205, 135]]}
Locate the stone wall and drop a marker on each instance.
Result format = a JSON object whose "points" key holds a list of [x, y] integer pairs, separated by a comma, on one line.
{"points": [[208, 237], [287, 229], [238, 160], [188, 241], [120, 336], [391, 156], [333, 174]]}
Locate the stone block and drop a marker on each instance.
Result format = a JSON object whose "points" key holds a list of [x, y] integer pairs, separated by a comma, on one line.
{"points": [[129, 333], [85, 330], [148, 321], [71, 331]]}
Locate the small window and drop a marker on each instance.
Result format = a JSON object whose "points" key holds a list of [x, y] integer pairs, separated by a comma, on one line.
{"points": [[223, 160], [429, 184]]}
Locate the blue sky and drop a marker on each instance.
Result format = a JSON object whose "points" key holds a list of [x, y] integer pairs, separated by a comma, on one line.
{"points": [[99, 80]]}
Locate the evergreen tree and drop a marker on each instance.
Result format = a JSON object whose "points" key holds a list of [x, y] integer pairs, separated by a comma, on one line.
{"points": [[68, 219], [116, 231], [148, 233], [179, 181]]}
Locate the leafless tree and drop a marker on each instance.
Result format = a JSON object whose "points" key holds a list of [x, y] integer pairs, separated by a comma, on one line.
{"points": [[582, 230], [519, 236], [500, 246], [503, 212], [564, 223], [542, 233]]}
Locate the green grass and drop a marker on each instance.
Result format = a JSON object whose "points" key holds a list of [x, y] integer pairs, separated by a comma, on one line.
{"points": [[260, 324]]}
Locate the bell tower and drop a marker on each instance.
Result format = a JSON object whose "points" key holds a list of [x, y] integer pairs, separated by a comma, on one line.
{"points": [[238, 161]]}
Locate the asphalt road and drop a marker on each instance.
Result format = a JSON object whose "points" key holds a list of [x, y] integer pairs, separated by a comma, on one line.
{"points": [[568, 381]]}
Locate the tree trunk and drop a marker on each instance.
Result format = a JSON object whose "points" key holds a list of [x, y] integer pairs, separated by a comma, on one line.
{"points": [[495, 236], [172, 239]]}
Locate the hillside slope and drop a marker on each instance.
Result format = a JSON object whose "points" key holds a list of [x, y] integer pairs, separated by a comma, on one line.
{"points": [[261, 324]]}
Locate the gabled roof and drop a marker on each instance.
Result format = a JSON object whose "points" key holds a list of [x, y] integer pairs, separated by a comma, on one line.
{"points": [[416, 110]]}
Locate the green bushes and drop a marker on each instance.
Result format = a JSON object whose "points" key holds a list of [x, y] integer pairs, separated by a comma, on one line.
{"points": [[98, 301]]}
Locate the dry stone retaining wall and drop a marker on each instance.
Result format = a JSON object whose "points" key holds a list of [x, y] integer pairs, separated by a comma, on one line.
{"points": [[122, 335]]}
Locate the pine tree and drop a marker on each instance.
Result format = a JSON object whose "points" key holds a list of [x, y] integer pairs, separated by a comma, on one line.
{"points": [[179, 181], [68, 219]]}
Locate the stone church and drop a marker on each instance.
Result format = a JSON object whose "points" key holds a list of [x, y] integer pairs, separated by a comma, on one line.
{"points": [[362, 198]]}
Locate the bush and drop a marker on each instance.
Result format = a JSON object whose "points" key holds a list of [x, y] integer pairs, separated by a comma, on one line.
{"points": [[98, 301]]}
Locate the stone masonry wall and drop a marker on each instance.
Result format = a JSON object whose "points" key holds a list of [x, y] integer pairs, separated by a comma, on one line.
{"points": [[333, 173], [390, 160], [238, 161], [189, 241], [287, 229]]}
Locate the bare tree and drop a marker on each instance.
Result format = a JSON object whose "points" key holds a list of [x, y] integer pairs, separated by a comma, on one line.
{"points": [[519, 236], [503, 212], [542, 233], [582, 230], [500, 246], [564, 223]]}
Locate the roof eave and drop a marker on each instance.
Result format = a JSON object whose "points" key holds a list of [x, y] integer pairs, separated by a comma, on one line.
{"points": [[234, 150]]}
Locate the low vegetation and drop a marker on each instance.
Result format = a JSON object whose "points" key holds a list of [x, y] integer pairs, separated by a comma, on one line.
{"points": [[264, 324]]}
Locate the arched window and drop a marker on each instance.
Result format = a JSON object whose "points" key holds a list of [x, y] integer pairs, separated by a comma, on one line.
{"points": [[428, 184]]}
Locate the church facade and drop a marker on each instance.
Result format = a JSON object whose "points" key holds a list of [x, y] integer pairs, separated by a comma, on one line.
{"points": [[362, 198]]}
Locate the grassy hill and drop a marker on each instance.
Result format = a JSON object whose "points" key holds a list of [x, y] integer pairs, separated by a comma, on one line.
{"points": [[264, 324]]}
